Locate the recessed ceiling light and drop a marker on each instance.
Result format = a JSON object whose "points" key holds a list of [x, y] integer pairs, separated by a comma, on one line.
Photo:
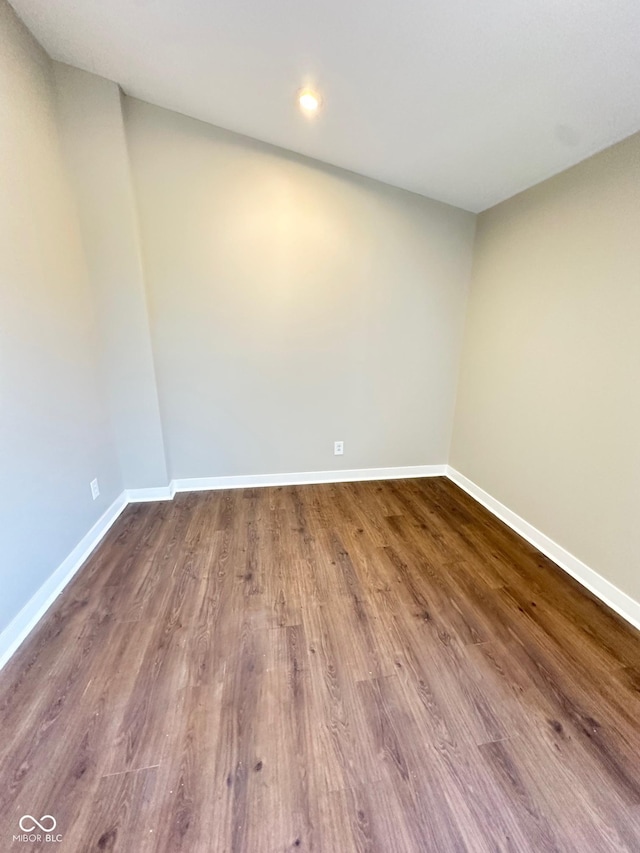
{"points": [[309, 101]]}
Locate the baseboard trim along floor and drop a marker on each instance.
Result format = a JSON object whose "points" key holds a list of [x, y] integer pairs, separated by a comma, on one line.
{"points": [[21, 626], [26, 620], [609, 594], [252, 481]]}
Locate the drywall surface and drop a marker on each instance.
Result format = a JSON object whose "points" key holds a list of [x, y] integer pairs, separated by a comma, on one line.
{"points": [[548, 410], [55, 434], [292, 305], [93, 140]]}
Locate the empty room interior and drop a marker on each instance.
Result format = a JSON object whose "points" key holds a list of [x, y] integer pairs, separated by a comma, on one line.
{"points": [[320, 426]]}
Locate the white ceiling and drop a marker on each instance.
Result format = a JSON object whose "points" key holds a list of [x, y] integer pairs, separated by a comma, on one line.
{"points": [[466, 101]]}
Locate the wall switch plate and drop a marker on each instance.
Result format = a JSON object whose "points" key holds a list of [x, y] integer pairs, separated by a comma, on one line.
{"points": [[95, 489], [338, 448]]}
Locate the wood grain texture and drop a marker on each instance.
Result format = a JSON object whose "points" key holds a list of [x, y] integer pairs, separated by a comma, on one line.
{"points": [[350, 667]]}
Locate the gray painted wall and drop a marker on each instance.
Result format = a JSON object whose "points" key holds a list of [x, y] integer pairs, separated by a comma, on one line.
{"points": [[55, 434], [92, 132], [292, 305], [548, 414]]}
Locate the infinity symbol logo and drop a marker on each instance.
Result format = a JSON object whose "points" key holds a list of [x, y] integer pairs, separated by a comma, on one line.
{"points": [[41, 824]]}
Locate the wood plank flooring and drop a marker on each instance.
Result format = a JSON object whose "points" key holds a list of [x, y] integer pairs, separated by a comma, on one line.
{"points": [[353, 667]]}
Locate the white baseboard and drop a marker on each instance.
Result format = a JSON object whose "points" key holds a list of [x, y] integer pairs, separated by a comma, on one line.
{"points": [[615, 598], [251, 481], [157, 493], [26, 620], [14, 634]]}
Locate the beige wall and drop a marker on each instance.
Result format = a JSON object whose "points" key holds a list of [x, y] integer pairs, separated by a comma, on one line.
{"points": [[93, 141], [55, 435], [293, 305], [548, 410]]}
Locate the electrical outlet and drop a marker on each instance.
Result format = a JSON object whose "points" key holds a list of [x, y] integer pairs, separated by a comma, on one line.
{"points": [[95, 489], [338, 448]]}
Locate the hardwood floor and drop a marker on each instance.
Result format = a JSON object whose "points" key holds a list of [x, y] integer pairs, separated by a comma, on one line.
{"points": [[367, 666]]}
